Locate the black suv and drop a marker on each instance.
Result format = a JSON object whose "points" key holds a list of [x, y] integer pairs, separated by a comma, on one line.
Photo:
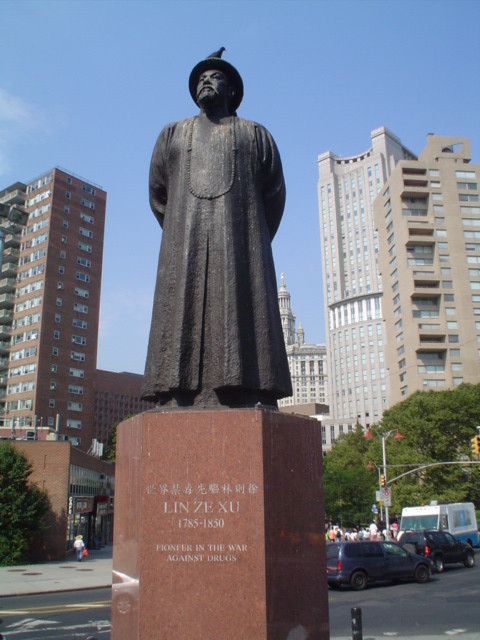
{"points": [[440, 546], [358, 563]]}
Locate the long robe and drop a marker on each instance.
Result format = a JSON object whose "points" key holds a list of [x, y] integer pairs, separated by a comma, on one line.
{"points": [[215, 320]]}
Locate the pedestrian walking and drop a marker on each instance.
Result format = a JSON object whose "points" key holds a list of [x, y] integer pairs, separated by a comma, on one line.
{"points": [[79, 546]]}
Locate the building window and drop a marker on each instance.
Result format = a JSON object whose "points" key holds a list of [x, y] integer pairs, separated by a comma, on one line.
{"points": [[84, 277], [80, 324], [84, 262], [83, 293], [85, 247], [81, 308], [76, 389]]}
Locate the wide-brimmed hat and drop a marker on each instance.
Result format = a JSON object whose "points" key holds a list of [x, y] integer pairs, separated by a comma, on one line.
{"points": [[79, 537], [214, 61]]}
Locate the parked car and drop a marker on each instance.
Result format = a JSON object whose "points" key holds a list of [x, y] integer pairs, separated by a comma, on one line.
{"points": [[359, 563], [440, 546]]}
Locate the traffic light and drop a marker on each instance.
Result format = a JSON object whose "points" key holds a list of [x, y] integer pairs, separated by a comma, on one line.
{"points": [[475, 445], [382, 479]]}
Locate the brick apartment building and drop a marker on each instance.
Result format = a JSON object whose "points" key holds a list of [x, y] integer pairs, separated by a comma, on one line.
{"points": [[49, 307], [117, 397], [80, 489]]}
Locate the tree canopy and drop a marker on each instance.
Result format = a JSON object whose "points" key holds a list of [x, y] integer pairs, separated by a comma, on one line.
{"points": [[437, 426], [23, 506]]}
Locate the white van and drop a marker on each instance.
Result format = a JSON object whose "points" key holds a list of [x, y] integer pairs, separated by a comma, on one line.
{"points": [[458, 518]]}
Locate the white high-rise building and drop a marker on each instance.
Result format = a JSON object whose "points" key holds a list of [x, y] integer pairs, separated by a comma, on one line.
{"points": [[347, 187], [307, 362]]}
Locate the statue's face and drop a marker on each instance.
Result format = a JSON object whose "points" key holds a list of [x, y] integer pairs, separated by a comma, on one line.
{"points": [[212, 88]]}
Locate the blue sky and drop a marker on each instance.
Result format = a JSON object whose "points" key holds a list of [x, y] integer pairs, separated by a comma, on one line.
{"points": [[88, 86]]}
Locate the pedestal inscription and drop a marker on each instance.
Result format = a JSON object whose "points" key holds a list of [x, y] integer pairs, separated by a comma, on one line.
{"points": [[210, 541]]}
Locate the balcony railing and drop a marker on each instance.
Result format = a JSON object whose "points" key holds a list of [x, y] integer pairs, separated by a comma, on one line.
{"points": [[7, 284], [6, 300]]}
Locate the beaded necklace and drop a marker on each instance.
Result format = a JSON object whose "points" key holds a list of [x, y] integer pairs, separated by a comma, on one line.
{"points": [[233, 168]]}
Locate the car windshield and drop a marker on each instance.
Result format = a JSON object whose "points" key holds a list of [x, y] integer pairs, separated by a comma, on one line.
{"points": [[417, 523]]}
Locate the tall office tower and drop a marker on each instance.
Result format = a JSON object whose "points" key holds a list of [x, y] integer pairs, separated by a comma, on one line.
{"points": [[52, 353], [347, 187], [428, 222], [307, 362]]}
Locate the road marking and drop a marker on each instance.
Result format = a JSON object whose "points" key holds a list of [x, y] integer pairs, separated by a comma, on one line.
{"points": [[30, 623], [100, 626], [90, 605], [58, 608], [14, 612]]}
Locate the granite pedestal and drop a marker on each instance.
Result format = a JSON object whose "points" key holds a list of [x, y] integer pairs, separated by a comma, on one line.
{"points": [[219, 526]]}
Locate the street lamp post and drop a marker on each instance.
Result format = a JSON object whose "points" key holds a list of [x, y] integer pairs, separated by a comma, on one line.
{"points": [[383, 437]]}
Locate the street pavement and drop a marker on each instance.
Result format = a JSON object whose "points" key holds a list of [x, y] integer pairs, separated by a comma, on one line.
{"points": [[96, 572], [92, 573]]}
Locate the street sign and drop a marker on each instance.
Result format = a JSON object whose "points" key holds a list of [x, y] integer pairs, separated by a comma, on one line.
{"points": [[384, 495]]}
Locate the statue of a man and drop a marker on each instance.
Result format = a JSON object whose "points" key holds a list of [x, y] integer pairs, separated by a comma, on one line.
{"points": [[217, 190]]}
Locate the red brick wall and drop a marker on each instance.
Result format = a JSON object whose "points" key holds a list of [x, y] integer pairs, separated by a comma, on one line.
{"points": [[51, 472]]}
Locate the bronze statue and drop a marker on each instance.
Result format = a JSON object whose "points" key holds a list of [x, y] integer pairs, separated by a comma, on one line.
{"points": [[217, 190]]}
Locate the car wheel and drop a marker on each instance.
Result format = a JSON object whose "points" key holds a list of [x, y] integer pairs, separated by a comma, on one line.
{"points": [[358, 580], [422, 573], [469, 560], [438, 562]]}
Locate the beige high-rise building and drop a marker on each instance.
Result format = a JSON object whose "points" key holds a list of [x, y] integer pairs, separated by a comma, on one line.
{"points": [[428, 222], [357, 375], [307, 362]]}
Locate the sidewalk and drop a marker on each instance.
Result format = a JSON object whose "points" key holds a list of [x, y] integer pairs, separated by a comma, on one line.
{"points": [[92, 573]]}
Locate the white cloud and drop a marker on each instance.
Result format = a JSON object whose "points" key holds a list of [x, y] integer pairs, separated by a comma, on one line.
{"points": [[17, 119], [15, 110]]}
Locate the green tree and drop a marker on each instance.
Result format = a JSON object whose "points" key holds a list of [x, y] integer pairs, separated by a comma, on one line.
{"points": [[349, 485], [23, 506], [111, 446], [110, 450], [437, 427]]}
